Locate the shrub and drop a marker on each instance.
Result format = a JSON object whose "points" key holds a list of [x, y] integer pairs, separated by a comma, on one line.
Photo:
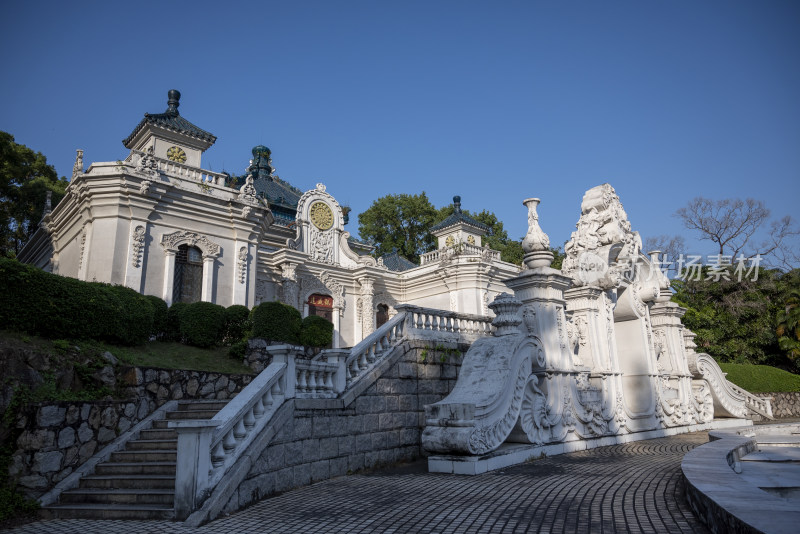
{"points": [[135, 317], [238, 350], [203, 324], [172, 330], [53, 306], [316, 332], [160, 311], [274, 321], [237, 323]]}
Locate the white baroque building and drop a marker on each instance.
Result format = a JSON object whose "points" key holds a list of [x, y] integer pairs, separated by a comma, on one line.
{"points": [[159, 223]]}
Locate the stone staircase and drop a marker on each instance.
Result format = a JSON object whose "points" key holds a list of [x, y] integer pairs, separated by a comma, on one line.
{"points": [[138, 482]]}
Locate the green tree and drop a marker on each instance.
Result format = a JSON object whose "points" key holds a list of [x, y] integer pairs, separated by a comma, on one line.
{"points": [[401, 222], [737, 321], [25, 178], [788, 329]]}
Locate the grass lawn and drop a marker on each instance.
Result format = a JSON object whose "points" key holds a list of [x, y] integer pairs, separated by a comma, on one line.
{"points": [[163, 354], [173, 355], [761, 378]]}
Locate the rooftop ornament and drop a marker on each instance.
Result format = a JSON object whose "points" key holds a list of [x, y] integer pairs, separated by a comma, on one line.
{"points": [[536, 243]]}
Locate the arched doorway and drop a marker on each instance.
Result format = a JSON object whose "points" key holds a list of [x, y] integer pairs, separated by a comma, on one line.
{"points": [[382, 315], [188, 281], [321, 305]]}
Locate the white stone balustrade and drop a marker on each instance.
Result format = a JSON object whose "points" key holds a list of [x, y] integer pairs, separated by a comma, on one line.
{"points": [[208, 448], [760, 405], [463, 249], [440, 325], [364, 355], [180, 170]]}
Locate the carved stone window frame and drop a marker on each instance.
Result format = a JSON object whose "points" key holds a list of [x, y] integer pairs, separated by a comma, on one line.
{"points": [[211, 251]]}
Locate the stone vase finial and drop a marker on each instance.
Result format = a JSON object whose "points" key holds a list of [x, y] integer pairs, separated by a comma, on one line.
{"points": [[507, 320], [536, 243]]}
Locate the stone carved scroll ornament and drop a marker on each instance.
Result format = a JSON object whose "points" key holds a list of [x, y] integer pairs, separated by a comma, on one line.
{"points": [[483, 408]]}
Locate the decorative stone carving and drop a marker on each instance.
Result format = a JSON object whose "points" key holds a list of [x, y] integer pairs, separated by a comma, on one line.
{"points": [[481, 411], [77, 168], [171, 242], [290, 289], [603, 247], [242, 258], [367, 305], [137, 245], [536, 243], [247, 193], [529, 320], [147, 163], [321, 245]]}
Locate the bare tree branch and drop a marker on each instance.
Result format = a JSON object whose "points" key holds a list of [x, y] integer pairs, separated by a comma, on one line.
{"points": [[732, 225]]}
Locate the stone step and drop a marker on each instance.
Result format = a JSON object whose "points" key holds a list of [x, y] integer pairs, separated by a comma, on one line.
{"points": [[201, 405], [135, 468], [106, 511], [158, 433], [191, 414], [129, 481], [144, 456], [152, 445], [118, 496]]}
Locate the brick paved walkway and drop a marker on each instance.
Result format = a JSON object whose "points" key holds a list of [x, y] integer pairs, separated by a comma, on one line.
{"points": [[636, 487]]}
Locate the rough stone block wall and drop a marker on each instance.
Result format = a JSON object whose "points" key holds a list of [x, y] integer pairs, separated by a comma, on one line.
{"points": [[381, 426], [784, 404], [57, 437]]}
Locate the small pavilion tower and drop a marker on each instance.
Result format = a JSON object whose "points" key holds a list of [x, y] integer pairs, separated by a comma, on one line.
{"points": [[459, 229]]}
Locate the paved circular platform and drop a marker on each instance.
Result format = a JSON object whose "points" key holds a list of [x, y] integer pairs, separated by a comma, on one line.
{"points": [[635, 487]]}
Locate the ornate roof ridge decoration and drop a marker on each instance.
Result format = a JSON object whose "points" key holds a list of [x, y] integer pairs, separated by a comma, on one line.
{"points": [[171, 242], [459, 216], [170, 120]]}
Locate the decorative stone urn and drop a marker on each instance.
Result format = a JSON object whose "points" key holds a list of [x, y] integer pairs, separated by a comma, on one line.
{"points": [[536, 243]]}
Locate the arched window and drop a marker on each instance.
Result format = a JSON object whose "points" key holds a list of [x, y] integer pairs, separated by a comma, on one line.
{"points": [[188, 285], [382, 315]]}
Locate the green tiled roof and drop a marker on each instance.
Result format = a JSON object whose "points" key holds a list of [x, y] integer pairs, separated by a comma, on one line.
{"points": [[395, 262], [170, 120]]}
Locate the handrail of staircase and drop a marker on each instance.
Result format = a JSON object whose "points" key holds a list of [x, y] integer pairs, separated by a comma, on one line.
{"points": [[760, 405], [208, 448], [366, 353]]}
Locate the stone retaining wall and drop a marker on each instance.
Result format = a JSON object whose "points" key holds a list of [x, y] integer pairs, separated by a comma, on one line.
{"points": [[784, 404], [57, 437], [382, 425]]}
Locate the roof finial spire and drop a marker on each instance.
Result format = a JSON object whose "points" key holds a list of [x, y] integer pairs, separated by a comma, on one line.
{"points": [[174, 100], [457, 204]]}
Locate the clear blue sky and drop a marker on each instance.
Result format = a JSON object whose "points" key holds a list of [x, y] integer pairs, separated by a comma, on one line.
{"points": [[495, 101]]}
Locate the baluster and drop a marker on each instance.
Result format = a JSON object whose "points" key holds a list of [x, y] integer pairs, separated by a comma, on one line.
{"points": [[267, 398], [362, 360], [249, 419], [427, 322], [449, 325], [229, 443], [329, 381], [349, 374], [218, 455], [384, 343], [239, 431], [277, 387], [312, 381], [371, 352], [457, 325], [258, 407], [302, 384]]}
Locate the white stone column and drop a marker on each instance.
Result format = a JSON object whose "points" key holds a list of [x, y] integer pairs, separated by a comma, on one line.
{"points": [[367, 306], [208, 279], [169, 276], [336, 325]]}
